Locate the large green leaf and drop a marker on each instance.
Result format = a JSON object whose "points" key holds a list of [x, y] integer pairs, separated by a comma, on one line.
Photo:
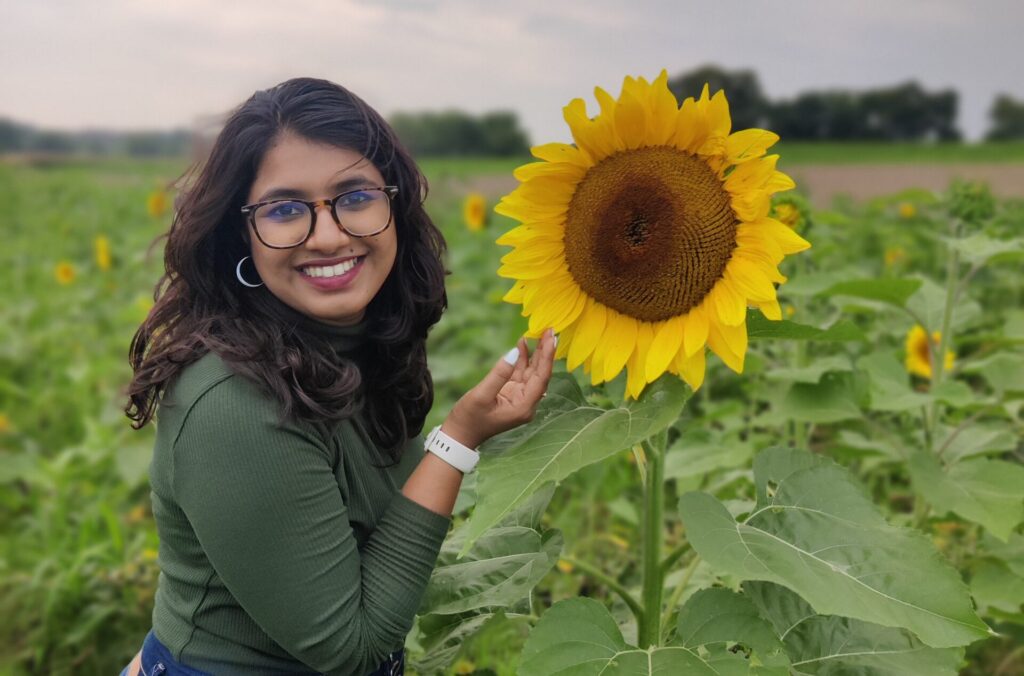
{"points": [[1003, 371], [989, 492], [816, 532], [721, 615], [440, 637], [502, 566], [697, 453], [893, 291], [563, 443], [977, 439], [579, 637], [759, 328], [828, 644], [831, 400], [813, 372]]}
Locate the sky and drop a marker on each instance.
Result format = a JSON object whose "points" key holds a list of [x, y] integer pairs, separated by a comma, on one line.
{"points": [[138, 64]]}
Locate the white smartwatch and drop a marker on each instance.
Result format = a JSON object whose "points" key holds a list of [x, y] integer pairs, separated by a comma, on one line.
{"points": [[459, 456]]}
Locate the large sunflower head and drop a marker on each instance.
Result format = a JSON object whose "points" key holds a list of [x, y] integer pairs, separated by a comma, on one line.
{"points": [[646, 240]]}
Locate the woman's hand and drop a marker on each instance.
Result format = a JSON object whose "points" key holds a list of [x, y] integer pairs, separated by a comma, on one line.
{"points": [[507, 396]]}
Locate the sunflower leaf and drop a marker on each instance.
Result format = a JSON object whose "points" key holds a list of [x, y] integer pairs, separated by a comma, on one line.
{"points": [[563, 442], [759, 327], [831, 644], [817, 533], [989, 492], [891, 291], [580, 636]]}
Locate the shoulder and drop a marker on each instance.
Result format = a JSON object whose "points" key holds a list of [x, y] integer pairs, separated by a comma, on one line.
{"points": [[210, 394]]}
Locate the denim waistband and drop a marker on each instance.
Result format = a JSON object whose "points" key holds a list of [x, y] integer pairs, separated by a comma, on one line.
{"points": [[158, 661]]}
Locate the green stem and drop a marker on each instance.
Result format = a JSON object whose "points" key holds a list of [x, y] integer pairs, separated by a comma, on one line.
{"points": [[649, 628], [610, 582]]}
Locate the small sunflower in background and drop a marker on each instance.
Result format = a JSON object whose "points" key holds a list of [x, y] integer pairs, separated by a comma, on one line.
{"points": [[474, 212], [5, 424], [894, 255], [907, 210], [64, 273], [101, 247], [918, 351], [156, 203], [646, 240]]}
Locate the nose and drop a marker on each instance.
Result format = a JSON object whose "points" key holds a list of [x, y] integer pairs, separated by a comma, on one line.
{"points": [[327, 234]]}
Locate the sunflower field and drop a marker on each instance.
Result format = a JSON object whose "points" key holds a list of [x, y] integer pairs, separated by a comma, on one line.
{"points": [[778, 440]]}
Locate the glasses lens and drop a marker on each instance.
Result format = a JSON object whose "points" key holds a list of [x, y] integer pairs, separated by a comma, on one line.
{"points": [[363, 212], [282, 223]]}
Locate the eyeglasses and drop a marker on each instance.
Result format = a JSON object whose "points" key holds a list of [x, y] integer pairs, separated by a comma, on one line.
{"points": [[287, 223]]}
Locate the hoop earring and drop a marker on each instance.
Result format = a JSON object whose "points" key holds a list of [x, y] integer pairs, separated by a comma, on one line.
{"points": [[238, 273]]}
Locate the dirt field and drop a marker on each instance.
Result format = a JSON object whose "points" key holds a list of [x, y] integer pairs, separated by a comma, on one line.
{"points": [[860, 181]]}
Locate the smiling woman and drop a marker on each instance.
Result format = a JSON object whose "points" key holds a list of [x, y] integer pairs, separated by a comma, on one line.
{"points": [[299, 512]]}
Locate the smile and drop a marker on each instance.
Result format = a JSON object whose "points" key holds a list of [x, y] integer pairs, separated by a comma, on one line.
{"points": [[331, 270]]}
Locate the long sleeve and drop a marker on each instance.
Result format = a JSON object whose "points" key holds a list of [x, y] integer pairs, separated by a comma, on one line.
{"points": [[268, 512]]}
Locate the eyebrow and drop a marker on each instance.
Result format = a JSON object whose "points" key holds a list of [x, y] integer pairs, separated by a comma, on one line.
{"points": [[350, 183]]}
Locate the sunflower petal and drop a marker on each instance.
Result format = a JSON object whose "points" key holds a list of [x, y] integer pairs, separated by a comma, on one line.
{"points": [[692, 368], [784, 236], [515, 294], [587, 333], [559, 170], [529, 232], [635, 371], [748, 144], [562, 152], [770, 309], [663, 107], [589, 135], [668, 340], [630, 121], [620, 340], [695, 335], [721, 346], [730, 306], [690, 127]]}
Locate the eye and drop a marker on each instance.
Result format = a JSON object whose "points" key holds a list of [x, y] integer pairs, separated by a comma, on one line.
{"points": [[285, 210], [357, 199]]}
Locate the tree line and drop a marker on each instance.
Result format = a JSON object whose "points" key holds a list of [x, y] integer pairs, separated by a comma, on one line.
{"points": [[905, 112]]}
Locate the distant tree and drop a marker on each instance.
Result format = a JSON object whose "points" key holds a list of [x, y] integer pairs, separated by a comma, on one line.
{"points": [[1007, 115], [453, 132], [747, 103], [905, 112]]}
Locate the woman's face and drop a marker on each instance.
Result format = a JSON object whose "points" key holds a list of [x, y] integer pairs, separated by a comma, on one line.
{"points": [[307, 277]]}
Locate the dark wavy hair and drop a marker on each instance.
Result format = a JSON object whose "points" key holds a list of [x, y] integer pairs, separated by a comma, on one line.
{"points": [[200, 306]]}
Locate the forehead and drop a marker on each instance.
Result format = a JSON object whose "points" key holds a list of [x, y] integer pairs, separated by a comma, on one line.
{"points": [[297, 163]]}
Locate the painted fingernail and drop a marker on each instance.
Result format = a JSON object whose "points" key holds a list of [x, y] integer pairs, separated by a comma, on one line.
{"points": [[556, 341], [512, 356]]}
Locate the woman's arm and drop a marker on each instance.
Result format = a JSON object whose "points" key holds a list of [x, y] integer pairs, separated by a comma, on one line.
{"points": [[505, 398]]}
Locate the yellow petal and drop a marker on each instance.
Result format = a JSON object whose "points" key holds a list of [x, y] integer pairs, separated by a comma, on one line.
{"points": [[556, 310], [690, 128], [719, 120], [635, 376], [565, 337], [531, 270], [748, 278], [784, 236], [751, 175], [668, 340], [730, 306], [558, 170], [695, 335], [692, 368], [515, 294], [663, 107], [587, 333], [751, 205], [588, 134], [562, 152], [620, 340], [748, 144], [630, 121], [530, 232], [770, 309], [720, 346], [534, 253]]}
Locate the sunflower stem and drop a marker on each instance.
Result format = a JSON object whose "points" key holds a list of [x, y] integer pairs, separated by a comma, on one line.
{"points": [[649, 626]]}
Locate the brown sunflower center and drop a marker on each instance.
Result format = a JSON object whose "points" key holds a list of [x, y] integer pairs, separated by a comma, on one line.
{"points": [[922, 351], [649, 232]]}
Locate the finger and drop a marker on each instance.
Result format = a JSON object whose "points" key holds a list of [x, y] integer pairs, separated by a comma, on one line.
{"points": [[519, 374], [499, 374], [541, 375], [541, 354]]}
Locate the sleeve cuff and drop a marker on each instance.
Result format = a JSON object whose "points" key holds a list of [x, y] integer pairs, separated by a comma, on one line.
{"points": [[419, 517]]}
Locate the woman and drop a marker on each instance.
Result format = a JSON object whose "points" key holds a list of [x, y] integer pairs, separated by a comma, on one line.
{"points": [[299, 515]]}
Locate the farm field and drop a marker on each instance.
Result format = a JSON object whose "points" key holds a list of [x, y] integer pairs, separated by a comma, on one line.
{"points": [[927, 468]]}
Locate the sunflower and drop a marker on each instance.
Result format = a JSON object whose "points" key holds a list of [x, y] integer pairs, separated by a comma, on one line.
{"points": [[919, 352], [101, 246], [156, 203], [474, 212], [64, 273], [646, 240]]}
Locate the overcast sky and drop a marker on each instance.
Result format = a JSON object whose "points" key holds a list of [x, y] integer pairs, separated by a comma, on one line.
{"points": [[139, 64]]}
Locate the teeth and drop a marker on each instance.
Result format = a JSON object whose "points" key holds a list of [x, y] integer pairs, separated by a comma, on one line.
{"points": [[330, 270]]}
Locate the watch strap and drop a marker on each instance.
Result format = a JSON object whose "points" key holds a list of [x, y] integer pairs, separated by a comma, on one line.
{"points": [[456, 454]]}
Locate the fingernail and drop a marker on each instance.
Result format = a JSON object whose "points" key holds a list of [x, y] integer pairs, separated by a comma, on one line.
{"points": [[556, 341], [512, 356]]}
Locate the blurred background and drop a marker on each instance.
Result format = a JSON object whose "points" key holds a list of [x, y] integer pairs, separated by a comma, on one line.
{"points": [[104, 104]]}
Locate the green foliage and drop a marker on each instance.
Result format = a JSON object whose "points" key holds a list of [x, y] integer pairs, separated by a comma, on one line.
{"points": [[453, 132]]}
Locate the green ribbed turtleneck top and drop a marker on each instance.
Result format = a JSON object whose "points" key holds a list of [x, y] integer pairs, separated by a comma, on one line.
{"points": [[283, 550]]}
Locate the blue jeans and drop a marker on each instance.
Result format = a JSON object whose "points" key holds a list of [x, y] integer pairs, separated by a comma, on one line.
{"points": [[158, 661]]}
